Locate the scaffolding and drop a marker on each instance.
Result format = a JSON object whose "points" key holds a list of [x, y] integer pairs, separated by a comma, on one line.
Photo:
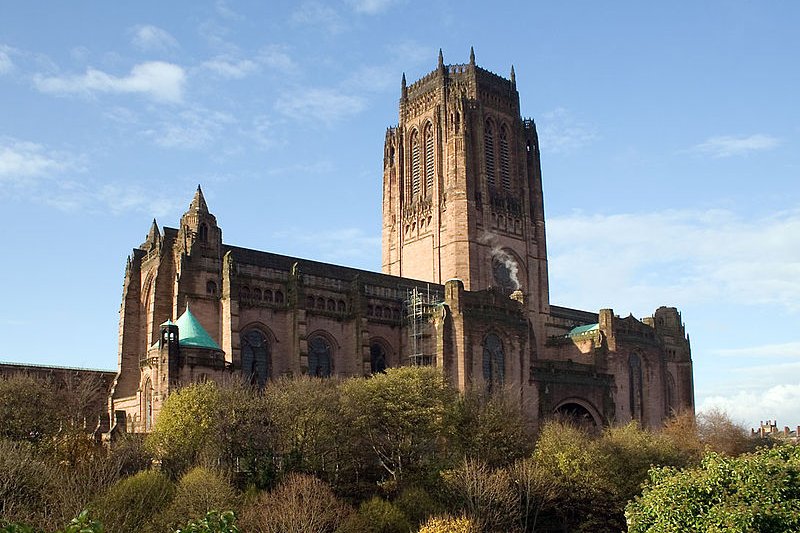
{"points": [[420, 306]]}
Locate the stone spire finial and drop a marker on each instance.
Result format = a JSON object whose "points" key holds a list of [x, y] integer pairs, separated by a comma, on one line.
{"points": [[513, 77], [441, 58], [472, 56], [198, 202], [403, 87]]}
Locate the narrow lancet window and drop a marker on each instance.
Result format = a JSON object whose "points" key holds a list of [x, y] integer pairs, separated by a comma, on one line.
{"points": [[488, 147], [429, 167], [505, 165], [415, 165]]}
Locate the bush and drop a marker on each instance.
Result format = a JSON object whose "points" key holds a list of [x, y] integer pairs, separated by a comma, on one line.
{"points": [[199, 491], [301, 504], [449, 525], [484, 495], [28, 484], [418, 505], [382, 516], [752, 492], [134, 503], [213, 522]]}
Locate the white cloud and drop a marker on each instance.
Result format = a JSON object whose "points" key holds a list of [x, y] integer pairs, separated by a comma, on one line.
{"points": [[560, 132], [151, 38], [317, 14], [371, 7], [116, 198], [320, 104], [727, 146], [229, 68], [225, 11], [22, 162], [372, 78], [156, 79], [675, 257], [779, 402]]}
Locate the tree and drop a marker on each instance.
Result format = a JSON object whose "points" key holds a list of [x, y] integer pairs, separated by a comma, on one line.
{"points": [[485, 495], [28, 409], [199, 491], [446, 524], [753, 492], [403, 417], [491, 427], [184, 425]]}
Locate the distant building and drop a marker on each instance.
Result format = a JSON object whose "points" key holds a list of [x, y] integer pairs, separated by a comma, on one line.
{"points": [[464, 288], [769, 430]]}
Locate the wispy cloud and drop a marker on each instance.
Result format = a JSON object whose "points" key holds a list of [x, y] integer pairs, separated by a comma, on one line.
{"points": [[787, 349], [152, 38], [5, 60], [190, 128], [342, 246], [728, 146], [320, 16], [276, 57], [229, 68], [23, 162], [325, 105], [116, 198], [158, 80], [677, 257], [224, 10], [372, 7], [560, 132]]}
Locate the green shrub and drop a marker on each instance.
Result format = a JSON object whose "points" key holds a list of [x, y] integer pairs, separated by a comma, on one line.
{"points": [[213, 522], [199, 491], [134, 503]]}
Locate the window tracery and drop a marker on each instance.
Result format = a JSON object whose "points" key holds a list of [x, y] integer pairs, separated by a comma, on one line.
{"points": [[494, 361], [256, 356], [319, 357]]}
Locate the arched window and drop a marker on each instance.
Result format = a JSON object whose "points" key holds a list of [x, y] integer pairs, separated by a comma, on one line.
{"points": [[310, 302], [256, 358], [148, 405], [203, 232], [319, 357], [211, 288], [429, 166], [377, 358], [244, 294], [494, 361], [278, 297], [415, 164], [331, 305], [268, 296], [341, 306], [671, 404], [505, 165], [256, 295], [488, 152], [321, 303], [635, 386]]}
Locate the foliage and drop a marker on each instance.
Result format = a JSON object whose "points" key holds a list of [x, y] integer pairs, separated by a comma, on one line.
{"points": [[418, 505], [402, 416], [83, 523], [184, 425], [199, 491], [213, 522], [752, 492], [449, 525], [27, 485], [133, 503], [305, 411], [301, 504], [719, 433], [383, 516], [492, 427], [28, 409]]}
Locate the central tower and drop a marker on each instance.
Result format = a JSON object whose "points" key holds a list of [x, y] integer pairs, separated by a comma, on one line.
{"points": [[462, 187]]}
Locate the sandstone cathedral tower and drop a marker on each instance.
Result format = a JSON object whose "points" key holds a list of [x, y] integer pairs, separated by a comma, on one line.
{"points": [[464, 288]]}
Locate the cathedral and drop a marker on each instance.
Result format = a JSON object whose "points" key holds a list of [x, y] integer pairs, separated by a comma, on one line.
{"points": [[464, 285]]}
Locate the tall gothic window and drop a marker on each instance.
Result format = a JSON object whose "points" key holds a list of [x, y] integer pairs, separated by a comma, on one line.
{"points": [[429, 168], [203, 231], [377, 358], [488, 148], [415, 164], [319, 357], [635, 385], [255, 356], [505, 165], [494, 361], [148, 405]]}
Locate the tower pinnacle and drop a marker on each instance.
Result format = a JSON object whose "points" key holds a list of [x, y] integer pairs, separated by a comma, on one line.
{"points": [[198, 202], [471, 56]]}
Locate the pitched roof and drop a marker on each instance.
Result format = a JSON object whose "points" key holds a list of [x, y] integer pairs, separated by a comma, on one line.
{"points": [[583, 329], [191, 333]]}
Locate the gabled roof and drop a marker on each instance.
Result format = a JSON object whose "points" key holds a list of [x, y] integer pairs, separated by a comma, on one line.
{"points": [[191, 333]]}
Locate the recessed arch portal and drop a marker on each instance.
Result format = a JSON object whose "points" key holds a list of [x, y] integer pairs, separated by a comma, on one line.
{"points": [[578, 411]]}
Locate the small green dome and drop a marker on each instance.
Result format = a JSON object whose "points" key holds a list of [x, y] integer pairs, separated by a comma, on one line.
{"points": [[191, 333]]}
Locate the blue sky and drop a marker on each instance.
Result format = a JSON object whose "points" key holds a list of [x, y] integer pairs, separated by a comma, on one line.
{"points": [[669, 134]]}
